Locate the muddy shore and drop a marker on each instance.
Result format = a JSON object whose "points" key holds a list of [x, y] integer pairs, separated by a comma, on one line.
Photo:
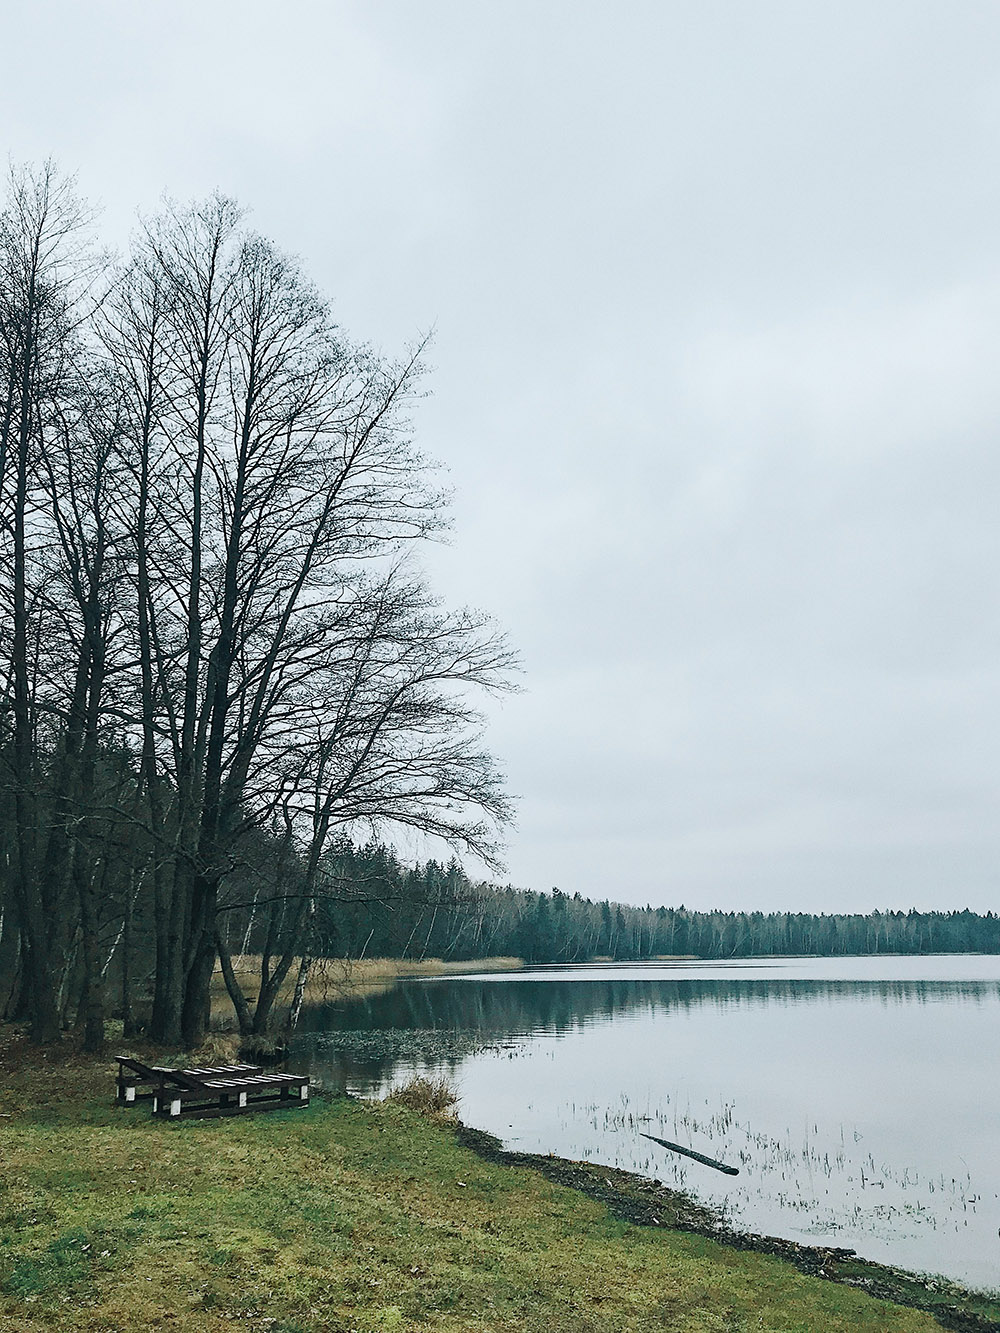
{"points": [[644, 1202]]}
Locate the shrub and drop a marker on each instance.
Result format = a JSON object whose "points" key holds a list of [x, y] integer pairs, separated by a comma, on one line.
{"points": [[429, 1096]]}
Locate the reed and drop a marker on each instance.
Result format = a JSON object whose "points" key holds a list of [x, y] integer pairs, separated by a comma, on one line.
{"points": [[332, 979], [434, 1097]]}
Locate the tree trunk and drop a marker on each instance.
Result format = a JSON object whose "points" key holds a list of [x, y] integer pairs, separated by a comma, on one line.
{"points": [[10, 957], [235, 990], [201, 962], [92, 996], [300, 992], [129, 1028]]}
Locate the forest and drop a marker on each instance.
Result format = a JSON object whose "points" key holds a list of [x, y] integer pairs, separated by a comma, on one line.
{"points": [[377, 907]]}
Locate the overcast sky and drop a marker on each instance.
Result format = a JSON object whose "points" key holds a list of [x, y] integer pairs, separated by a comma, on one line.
{"points": [[716, 292]]}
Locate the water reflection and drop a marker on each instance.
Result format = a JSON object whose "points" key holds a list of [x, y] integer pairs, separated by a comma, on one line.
{"points": [[561, 1005]]}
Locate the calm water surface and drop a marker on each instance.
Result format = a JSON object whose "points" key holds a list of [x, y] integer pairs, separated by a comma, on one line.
{"points": [[860, 1097]]}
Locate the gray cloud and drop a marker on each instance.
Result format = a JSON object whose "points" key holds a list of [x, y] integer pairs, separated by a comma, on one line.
{"points": [[717, 297]]}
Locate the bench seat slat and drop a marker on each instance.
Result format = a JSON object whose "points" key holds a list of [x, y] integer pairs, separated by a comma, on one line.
{"points": [[257, 1081]]}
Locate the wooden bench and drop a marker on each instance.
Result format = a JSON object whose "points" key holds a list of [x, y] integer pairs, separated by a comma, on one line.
{"points": [[189, 1095], [137, 1082]]}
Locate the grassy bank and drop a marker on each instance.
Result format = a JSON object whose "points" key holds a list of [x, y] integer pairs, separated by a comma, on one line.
{"points": [[342, 1217]]}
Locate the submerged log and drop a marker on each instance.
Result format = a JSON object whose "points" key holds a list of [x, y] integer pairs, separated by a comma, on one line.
{"points": [[697, 1156]]}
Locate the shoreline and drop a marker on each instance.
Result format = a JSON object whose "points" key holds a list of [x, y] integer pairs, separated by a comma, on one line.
{"points": [[644, 1202], [112, 1219]]}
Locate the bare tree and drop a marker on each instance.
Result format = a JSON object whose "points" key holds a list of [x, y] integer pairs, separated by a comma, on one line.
{"points": [[284, 471], [44, 273], [385, 736], [82, 472], [207, 494]]}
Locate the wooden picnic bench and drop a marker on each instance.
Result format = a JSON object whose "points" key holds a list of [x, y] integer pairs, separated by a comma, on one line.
{"points": [[137, 1081], [187, 1095]]}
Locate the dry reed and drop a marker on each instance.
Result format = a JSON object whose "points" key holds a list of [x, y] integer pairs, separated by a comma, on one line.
{"points": [[434, 1097]]}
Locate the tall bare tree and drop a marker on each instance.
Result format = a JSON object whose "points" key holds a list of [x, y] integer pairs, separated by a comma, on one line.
{"points": [[285, 470], [44, 273], [207, 496]]}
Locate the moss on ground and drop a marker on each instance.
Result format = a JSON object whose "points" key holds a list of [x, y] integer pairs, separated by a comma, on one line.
{"points": [[339, 1218]]}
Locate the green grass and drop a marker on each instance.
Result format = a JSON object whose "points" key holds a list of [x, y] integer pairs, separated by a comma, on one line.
{"points": [[341, 1218]]}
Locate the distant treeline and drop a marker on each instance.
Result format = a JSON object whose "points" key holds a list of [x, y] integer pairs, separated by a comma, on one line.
{"points": [[376, 907]]}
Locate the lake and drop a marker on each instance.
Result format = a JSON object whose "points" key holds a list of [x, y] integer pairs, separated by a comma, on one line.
{"points": [[859, 1097]]}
